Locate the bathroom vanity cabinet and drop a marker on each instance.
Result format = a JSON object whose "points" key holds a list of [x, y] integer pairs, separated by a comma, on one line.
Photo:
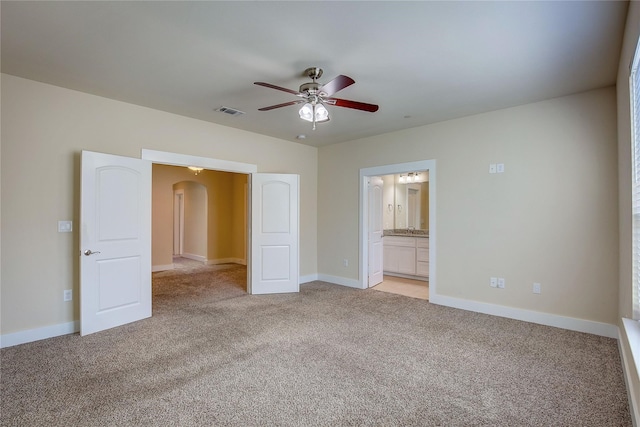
{"points": [[406, 256]]}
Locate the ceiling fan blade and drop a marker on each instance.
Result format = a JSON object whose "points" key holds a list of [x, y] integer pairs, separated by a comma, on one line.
{"points": [[335, 85], [351, 104], [284, 89], [286, 104]]}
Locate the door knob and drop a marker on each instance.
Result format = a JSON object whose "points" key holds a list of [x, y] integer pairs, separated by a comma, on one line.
{"points": [[90, 252]]}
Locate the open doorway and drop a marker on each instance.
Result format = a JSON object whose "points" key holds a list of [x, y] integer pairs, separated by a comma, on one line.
{"points": [[405, 246], [414, 258], [199, 229]]}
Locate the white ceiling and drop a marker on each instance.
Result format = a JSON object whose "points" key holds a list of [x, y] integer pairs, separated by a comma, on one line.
{"points": [[422, 62]]}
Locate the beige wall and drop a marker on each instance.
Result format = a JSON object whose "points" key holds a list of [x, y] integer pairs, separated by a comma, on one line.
{"points": [[224, 224], [625, 304], [44, 128], [424, 206], [550, 218], [239, 217], [221, 204]]}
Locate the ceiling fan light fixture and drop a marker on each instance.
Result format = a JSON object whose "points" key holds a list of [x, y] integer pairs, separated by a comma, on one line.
{"points": [[309, 112], [322, 115], [196, 170], [306, 112]]}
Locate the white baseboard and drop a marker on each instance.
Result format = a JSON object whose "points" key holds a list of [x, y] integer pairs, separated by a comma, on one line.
{"points": [[227, 261], [22, 337], [308, 278], [343, 281], [194, 257], [570, 323], [162, 267]]}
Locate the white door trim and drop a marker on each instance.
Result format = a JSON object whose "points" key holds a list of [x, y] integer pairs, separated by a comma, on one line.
{"points": [[428, 165], [176, 159], [375, 229]]}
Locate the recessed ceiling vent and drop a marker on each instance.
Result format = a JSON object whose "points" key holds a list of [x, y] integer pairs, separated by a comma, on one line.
{"points": [[231, 111]]}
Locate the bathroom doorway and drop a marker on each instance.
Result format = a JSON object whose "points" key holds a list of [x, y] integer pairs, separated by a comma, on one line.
{"points": [[391, 208]]}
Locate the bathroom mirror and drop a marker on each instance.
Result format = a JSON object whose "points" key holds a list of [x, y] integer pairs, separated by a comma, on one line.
{"points": [[406, 201]]}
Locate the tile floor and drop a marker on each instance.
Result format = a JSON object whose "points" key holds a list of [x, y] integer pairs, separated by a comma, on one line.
{"points": [[407, 287]]}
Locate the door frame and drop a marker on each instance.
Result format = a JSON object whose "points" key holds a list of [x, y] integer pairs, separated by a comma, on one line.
{"points": [[372, 256], [176, 159], [178, 222], [365, 173]]}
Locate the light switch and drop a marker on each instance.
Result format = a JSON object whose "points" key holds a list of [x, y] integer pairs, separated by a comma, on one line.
{"points": [[492, 168], [65, 226]]}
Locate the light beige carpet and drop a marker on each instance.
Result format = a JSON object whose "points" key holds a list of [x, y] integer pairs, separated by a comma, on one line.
{"points": [[212, 355]]}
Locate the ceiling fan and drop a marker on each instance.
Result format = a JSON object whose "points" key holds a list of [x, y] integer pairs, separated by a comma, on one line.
{"points": [[315, 96]]}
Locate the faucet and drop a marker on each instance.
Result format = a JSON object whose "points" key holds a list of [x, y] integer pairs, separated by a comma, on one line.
{"points": [[410, 229]]}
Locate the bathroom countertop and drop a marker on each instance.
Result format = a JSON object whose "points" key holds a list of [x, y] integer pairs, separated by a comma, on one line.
{"points": [[404, 233]]}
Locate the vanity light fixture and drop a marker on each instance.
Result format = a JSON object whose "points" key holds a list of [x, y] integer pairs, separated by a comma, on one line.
{"points": [[410, 177], [196, 170]]}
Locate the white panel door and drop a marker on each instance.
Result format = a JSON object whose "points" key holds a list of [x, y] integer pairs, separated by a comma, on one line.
{"points": [[375, 231], [274, 231], [115, 241]]}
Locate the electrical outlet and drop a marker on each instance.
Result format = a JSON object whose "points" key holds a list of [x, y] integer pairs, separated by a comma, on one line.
{"points": [[501, 282], [500, 168], [537, 288], [345, 262], [493, 282], [67, 295]]}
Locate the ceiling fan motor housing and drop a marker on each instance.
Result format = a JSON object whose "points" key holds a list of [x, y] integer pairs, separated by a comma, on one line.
{"points": [[311, 88], [313, 72]]}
